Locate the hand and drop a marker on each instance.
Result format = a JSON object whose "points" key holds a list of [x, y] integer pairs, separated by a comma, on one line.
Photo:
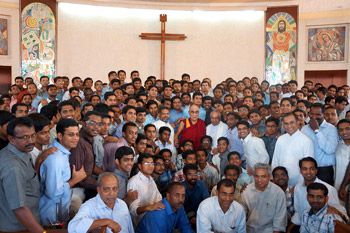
{"points": [[342, 193], [78, 176], [156, 206], [313, 124], [110, 139], [172, 166], [176, 142], [244, 187], [332, 210], [132, 195], [291, 191], [42, 158], [250, 172], [215, 151], [179, 120], [44, 102], [115, 227], [193, 221], [169, 142]]}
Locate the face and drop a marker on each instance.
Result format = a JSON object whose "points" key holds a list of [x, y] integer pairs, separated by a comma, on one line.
{"points": [[194, 112], [108, 190], [191, 177], [15, 90], [247, 92], [316, 199], [153, 92], [243, 112], [341, 106], [227, 109], [167, 92], [95, 100], [225, 196], [217, 93], [301, 118], [147, 166], [137, 85], [191, 159], [290, 124], [215, 118], [43, 136], [197, 100], [243, 131], [331, 91], [285, 89], [275, 110], [177, 104], [300, 96], [286, 107], [316, 114], [159, 167], [271, 128], [186, 99], [308, 170], [235, 160], [207, 104], [130, 134], [184, 88], [27, 100], [201, 158], [164, 115], [255, 118], [231, 121], [77, 83], [141, 146], [19, 82], [141, 117], [164, 136], [52, 91], [106, 124], [70, 137], [130, 115], [222, 146], [280, 178], [92, 125], [59, 83], [112, 100], [205, 87], [24, 138], [88, 93], [130, 90], [150, 133], [196, 86], [167, 158], [261, 178], [153, 109], [206, 144], [293, 87], [344, 131], [176, 197], [21, 111], [122, 76]]}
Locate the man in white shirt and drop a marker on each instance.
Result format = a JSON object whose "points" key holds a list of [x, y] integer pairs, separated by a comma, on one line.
{"points": [[76, 82], [308, 168], [221, 213], [291, 147], [254, 147], [148, 195], [103, 210], [163, 142], [342, 156], [264, 203], [163, 115], [217, 128]]}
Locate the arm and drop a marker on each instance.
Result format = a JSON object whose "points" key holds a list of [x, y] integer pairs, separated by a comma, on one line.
{"points": [[328, 141], [280, 219], [27, 219], [155, 206], [346, 181], [115, 227], [42, 158], [261, 150], [203, 220], [97, 170], [178, 132]]}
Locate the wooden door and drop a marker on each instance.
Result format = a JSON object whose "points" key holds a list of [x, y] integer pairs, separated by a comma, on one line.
{"points": [[327, 77], [5, 79]]}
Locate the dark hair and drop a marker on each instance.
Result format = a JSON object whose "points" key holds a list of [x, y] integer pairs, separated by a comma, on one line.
{"points": [[148, 126], [126, 101], [127, 108], [187, 153], [224, 139], [164, 150], [128, 124], [73, 89], [20, 121], [307, 159], [206, 137], [5, 117], [40, 121], [65, 123], [228, 103], [243, 123], [122, 151], [164, 128], [253, 111], [341, 99], [318, 105], [188, 167], [108, 94], [279, 168], [232, 167], [201, 149], [162, 108], [102, 108], [273, 119], [140, 137], [140, 110], [197, 94], [318, 186], [15, 107], [342, 121], [289, 100], [186, 141], [115, 80], [151, 102], [142, 157], [225, 182], [172, 185], [90, 113], [233, 153], [289, 114], [64, 103]]}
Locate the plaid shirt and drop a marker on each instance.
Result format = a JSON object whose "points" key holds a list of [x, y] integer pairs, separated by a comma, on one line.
{"points": [[289, 202], [321, 222]]}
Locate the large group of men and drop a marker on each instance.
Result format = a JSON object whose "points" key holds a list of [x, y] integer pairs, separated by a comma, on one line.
{"points": [[174, 156]]}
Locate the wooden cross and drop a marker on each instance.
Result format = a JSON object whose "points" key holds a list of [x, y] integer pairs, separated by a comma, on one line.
{"points": [[162, 37]]}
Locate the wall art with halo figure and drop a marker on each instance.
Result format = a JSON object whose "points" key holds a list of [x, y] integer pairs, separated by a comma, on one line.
{"points": [[3, 37], [326, 44], [38, 41]]}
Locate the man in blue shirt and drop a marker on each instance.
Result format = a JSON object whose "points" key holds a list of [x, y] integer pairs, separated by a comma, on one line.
{"points": [[176, 114], [196, 191], [55, 173], [103, 210], [170, 218]]}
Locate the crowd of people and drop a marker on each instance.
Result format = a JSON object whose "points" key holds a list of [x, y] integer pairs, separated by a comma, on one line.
{"points": [[174, 156]]}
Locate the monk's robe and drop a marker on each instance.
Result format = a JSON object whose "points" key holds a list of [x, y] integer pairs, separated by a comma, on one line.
{"points": [[193, 132]]}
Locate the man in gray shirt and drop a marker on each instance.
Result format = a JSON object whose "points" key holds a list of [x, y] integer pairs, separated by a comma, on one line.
{"points": [[19, 184], [264, 203], [124, 159]]}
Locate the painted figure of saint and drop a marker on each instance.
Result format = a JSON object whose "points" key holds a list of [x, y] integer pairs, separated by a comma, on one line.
{"points": [[329, 49]]}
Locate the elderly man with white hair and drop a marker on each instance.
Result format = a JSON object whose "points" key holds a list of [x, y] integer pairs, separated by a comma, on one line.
{"points": [[217, 128]]}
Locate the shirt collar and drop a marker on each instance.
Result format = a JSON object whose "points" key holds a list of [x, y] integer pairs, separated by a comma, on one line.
{"points": [[168, 208], [247, 138], [143, 177], [101, 204], [23, 156], [61, 148], [118, 172], [321, 212]]}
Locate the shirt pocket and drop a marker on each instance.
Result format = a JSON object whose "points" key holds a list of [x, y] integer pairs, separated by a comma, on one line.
{"points": [[33, 186]]}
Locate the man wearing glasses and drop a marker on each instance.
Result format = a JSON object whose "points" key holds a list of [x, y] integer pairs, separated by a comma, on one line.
{"points": [[19, 186], [148, 195], [83, 156]]}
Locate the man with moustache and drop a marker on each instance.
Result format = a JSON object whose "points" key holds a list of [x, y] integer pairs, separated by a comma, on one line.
{"points": [[19, 186], [56, 177], [172, 217]]}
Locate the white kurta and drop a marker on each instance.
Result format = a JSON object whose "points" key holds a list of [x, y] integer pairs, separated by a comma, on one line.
{"points": [[217, 131], [342, 159], [254, 151], [289, 150]]}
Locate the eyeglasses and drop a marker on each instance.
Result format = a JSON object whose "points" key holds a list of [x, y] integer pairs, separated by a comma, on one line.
{"points": [[148, 163], [194, 112], [72, 134], [94, 124], [26, 137], [160, 164]]}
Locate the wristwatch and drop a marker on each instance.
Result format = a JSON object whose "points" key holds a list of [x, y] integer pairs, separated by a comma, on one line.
{"points": [[316, 131]]}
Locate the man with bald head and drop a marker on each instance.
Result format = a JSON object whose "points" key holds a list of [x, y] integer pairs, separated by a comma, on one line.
{"points": [[191, 128], [103, 210]]}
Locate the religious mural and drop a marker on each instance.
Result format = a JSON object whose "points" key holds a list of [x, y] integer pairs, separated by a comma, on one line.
{"points": [[280, 54], [3, 37], [326, 44], [38, 41]]}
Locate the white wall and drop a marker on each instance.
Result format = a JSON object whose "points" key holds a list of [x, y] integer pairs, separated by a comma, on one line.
{"points": [[94, 40]]}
